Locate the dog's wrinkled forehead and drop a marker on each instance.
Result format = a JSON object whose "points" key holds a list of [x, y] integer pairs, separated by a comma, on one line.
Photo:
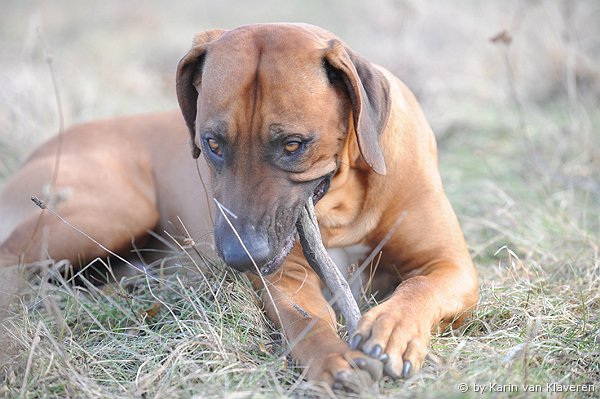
{"points": [[241, 55], [254, 77], [282, 38]]}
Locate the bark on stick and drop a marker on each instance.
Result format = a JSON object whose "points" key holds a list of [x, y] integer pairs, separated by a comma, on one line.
{"points": [[323, 265]]}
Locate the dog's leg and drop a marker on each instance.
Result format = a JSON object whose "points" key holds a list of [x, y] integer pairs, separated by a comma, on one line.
{"points": [[439, 285], [110, 200], [294, 300]]}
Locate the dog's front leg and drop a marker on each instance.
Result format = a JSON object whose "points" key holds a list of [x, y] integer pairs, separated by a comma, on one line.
{"points": [[294, 300], [398, 330], [439, 288]]}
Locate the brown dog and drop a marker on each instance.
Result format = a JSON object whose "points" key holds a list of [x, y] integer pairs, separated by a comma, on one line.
{"points": [[282, 114]]}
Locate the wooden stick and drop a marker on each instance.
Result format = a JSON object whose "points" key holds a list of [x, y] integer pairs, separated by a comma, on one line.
{"points": [[323, 265]]}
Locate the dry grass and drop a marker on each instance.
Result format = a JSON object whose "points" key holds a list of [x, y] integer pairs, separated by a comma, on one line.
{"points": [[520, 155]]}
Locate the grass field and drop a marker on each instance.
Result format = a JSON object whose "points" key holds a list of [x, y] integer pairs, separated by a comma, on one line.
{"points": [[518, 123]]}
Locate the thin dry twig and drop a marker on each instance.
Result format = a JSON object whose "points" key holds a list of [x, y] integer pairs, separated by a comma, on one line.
{"points": [[319, 260], [51, 185]]}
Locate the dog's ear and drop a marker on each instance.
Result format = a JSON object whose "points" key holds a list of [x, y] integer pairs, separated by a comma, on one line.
{"points": [[189, 76], [369, 93]]}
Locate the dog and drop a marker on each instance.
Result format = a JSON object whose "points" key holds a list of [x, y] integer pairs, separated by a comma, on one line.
{"points": [[277, 115]]}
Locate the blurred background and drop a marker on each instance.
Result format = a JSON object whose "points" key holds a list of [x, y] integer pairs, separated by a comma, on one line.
{"points": [[113, 57], [510, 87]]}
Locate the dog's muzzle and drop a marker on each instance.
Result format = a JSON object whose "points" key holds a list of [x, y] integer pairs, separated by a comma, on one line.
{"points": [[256, 255], [278, 259]]}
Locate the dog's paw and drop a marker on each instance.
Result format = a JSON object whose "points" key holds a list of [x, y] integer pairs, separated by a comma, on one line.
{"points": [[397, 337], [351, 371]]}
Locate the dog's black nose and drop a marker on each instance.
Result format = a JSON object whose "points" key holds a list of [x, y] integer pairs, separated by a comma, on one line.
{"points": [[236, 256]]}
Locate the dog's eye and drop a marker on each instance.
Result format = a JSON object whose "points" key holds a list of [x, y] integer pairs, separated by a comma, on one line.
{"points": [[214, 147], [292, 147]]}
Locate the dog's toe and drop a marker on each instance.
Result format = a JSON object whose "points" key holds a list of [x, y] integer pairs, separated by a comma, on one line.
{"points": [[351, 371], [362, 378]]}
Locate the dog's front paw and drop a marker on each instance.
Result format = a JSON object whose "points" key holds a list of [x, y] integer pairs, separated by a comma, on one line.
{"points": [[398, 337], [351, 371]]}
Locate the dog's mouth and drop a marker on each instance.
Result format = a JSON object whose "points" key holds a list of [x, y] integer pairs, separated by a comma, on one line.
{"points": [[276, 262], [321, 189]]}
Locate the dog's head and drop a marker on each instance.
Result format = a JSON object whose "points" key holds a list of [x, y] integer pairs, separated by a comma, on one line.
{"points": [[271, 108]]}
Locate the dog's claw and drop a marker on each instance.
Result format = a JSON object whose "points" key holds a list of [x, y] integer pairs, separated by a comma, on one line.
{"points": [[406, 369], [355, 341], [376, 351], [360, 363], [384, 358]]}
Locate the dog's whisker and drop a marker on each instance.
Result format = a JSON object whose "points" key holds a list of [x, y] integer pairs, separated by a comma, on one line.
{"points": [[223, 208]]}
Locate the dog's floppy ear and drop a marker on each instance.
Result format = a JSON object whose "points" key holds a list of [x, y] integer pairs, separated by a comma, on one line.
{"points": [[369, 93], [189, 75]]}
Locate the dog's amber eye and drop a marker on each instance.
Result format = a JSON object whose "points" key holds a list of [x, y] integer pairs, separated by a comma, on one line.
{"points": [[214, 146], [292, 146]]}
